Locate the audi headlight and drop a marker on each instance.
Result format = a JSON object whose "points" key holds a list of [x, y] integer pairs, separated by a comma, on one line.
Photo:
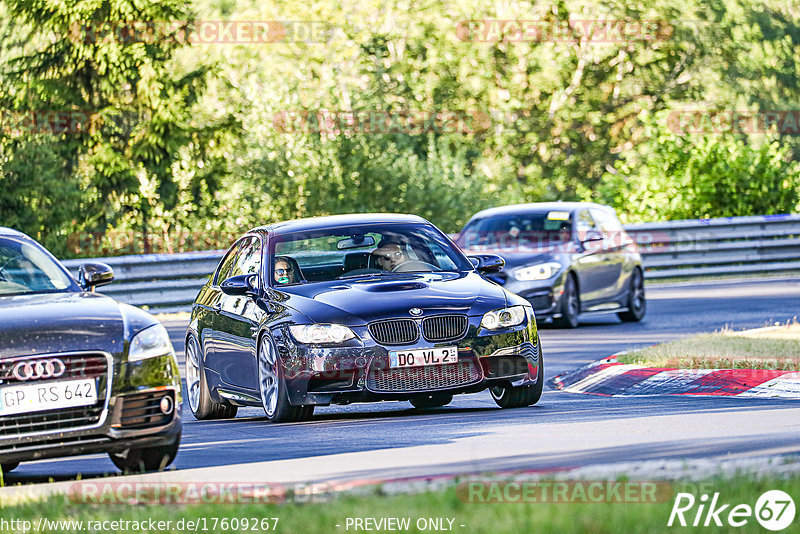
{"points": [[503, 318], [542, 271], [151, 342], [321, 333]]}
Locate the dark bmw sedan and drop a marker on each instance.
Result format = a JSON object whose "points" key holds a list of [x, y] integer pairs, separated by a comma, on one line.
{"points": [[79, 372], [356, 308], [565, 258]]}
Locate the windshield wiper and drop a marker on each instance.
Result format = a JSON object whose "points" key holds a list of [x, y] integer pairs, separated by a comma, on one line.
{"points": [[362, 275]]}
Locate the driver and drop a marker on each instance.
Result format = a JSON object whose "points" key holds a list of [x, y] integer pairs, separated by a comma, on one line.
{"points": [[565, 232], [389, 255]]}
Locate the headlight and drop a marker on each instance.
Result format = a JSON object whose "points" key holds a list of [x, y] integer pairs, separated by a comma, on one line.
{"points": [[151, 342], [503, 318], [543, 271], [321, 333]]}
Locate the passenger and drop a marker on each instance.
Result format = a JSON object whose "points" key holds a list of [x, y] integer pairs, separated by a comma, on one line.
{"points": [[284, 272]]}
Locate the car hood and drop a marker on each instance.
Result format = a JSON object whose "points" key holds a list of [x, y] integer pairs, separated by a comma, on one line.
{"points": [[60, 322], [364, 300]]}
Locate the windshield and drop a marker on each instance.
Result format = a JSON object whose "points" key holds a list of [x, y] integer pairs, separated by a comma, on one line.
{"points": [[363, 251], [25, 268], [505, 231]]}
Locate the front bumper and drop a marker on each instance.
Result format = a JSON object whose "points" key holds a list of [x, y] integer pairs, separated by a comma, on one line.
{"points": [[361, 373], [127, 416], [543, 295]]}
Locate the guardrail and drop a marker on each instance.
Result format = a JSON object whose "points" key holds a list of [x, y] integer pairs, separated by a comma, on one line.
{"points": [[725, 246], [673, 249], [161, 282]]}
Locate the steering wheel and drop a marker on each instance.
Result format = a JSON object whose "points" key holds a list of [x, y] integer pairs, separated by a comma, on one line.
{"points": [[414, 265]]}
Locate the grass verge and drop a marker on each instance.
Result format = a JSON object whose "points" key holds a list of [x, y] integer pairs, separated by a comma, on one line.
{"points": [[310, 518], [764, 348]]}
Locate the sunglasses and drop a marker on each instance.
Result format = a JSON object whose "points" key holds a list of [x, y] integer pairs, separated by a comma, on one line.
{"points": [[281, 272], [391, 255]]}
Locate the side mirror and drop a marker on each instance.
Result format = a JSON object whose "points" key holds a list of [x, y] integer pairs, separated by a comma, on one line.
{"points": [[487, 263], [94, 275], [592, 236], [243, 284]]}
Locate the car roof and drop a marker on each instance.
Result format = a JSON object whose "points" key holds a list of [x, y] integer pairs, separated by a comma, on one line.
{"points": [[10, 232], [538, 207], [337, 221]]}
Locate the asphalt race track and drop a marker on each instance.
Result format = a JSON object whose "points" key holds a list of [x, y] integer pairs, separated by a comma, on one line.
{"points": [[563, 431]]}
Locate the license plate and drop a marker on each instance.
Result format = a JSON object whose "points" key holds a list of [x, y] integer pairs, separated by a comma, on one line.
{"points": [[47, 396], [422, 357]]}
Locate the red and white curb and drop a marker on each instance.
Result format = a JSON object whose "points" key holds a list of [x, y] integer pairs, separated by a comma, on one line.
{"points": [[610, 378]]}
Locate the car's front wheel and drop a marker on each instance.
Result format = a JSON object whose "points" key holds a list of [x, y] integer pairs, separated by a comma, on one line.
{"points": [[570, 305], [272, 386], [432, 400], [200, 402], [637, 305], [517, 397], [146, 459]]}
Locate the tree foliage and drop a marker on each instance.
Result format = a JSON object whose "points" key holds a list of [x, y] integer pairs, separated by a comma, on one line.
{"points": [[135, 127], [191, 137]]}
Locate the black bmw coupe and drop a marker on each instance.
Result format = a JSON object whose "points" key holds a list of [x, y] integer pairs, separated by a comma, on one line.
{"points": [[79, 372], [356, 308]]}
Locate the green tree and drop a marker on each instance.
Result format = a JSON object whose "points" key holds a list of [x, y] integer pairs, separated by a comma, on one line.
{"points": [[143, 127], [672, 177]]}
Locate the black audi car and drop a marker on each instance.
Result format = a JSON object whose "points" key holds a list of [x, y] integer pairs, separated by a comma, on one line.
{"points": [[565, 258], [356, 308], [79, 372]]}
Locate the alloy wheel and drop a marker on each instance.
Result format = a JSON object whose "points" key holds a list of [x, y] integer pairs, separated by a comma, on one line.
{"points": [[572, 300], [193, 374], [268, 377], [638, 292]]}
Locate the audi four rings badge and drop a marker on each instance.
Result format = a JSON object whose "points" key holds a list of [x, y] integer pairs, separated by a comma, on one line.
{"points": [[36, 369]]}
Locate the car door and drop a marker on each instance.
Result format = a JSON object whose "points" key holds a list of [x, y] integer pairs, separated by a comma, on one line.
{"points": [[212, 302], [590, 258], [237, 322], [611, 279]]}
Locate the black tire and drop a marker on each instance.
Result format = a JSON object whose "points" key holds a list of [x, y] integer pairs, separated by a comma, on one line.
{"points": [[570, 305], [518, 397], [204, 408], [637, 304], [432, 400], [9, 466], [146, 459], [272, 388]]}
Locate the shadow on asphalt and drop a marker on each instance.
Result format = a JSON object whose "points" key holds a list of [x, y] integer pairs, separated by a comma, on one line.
{"points": [[358, 428]]}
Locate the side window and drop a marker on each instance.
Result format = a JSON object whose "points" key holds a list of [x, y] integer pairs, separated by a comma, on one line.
{"points": [[225, 266], [608, 223], [248, 261], [585, 224]]}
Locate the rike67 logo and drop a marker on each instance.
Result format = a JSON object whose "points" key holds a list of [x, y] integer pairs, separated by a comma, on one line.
{"points": [[774, 510]]}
